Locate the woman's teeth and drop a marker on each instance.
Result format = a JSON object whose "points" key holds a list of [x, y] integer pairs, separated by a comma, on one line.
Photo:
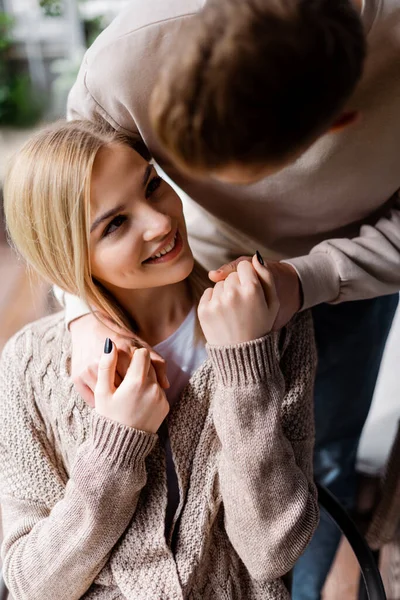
{"points": [[165, 250]]}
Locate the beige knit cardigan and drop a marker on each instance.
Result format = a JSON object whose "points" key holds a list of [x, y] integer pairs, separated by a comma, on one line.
{"points": [[84, 498]]}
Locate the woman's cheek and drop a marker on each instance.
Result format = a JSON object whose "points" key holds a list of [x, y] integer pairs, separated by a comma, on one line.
{"points": [[128, 252]]}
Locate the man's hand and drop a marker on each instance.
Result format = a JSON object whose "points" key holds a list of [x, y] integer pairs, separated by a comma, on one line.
{"points": [[287, 285], [88, 335]]}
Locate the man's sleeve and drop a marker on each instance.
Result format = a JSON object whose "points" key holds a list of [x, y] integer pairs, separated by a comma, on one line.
{"points": [[367, 266]]}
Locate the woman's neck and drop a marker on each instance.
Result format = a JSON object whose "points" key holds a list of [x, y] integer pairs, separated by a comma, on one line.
{"points": [[158, 312]]}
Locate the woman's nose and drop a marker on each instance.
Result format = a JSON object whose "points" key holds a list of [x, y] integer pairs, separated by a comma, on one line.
{"points": [[157, 226]]}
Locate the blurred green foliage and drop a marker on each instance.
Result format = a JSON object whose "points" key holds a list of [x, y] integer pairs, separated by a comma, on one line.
{"points": [[52, 8], [93, 27], [6, 23], [19, 105]]}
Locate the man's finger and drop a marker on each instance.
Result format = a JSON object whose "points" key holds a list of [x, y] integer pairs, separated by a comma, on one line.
{"points": [[152, 374], [160, 367], [117, 380], [124, 360], [90, 377], [223, 272], [84, 391], [107, 366], [140, 364], [267, 282]]}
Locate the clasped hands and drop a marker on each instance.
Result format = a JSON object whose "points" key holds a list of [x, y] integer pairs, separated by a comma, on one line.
{"points": [[233, 311]]}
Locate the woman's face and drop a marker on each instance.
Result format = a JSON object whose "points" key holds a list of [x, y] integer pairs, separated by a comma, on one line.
{"points": [[138, 235]]}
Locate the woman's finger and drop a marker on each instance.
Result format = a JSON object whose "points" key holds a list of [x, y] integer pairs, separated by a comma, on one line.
{"points": [[107, 366], [267, 282], [231, 282], [247, 275], [218, 290], [206, 297]]}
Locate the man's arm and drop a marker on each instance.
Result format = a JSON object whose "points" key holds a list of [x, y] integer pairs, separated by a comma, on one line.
{"points": [[353, 269], [337, 270]]}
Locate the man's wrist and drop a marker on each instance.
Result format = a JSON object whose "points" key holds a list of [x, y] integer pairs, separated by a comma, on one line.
{"points": [[299, 288], [318, 278]]}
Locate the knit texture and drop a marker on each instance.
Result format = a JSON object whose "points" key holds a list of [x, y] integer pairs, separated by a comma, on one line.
{"points": [[84, 498]]}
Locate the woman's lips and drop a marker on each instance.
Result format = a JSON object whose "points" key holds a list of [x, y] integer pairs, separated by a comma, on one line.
{"points": [[176, 250]]}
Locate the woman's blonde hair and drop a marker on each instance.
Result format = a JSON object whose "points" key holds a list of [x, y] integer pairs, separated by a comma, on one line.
{"points": [[47, 208]]}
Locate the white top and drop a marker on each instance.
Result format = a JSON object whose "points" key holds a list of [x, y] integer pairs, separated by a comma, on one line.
{"points": [[183, 355]]}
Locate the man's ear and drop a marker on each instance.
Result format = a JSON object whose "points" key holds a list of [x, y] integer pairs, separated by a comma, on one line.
{"points": [[345, 119]]}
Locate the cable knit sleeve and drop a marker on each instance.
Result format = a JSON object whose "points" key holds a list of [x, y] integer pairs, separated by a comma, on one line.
{"points": [[58, 532], [263, 414]]}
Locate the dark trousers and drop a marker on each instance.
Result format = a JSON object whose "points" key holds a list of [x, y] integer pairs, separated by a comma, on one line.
{"points": [[350, 338]]}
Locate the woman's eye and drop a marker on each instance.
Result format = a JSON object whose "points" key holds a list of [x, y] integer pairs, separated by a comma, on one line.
{"points": [[153, 186], [114, 225]]}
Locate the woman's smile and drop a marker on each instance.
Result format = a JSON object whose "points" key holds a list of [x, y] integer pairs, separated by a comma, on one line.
{"points": [[167, 252]]}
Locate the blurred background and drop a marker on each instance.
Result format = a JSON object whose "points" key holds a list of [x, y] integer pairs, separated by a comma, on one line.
{"points": [[42, 43]]}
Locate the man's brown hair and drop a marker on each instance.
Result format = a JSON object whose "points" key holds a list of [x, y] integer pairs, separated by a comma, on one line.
{"points": [[252, 81]]}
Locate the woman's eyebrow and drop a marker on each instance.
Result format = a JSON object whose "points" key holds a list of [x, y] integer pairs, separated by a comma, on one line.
{"points": [[113, 211], [110, 213], [147, 174]]}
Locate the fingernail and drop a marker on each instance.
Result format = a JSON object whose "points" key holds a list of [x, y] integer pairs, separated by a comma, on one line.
{"points": [[259, 258], [108, 346]]}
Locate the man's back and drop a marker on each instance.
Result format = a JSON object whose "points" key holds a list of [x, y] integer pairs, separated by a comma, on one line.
{"points": [[346, 179]]}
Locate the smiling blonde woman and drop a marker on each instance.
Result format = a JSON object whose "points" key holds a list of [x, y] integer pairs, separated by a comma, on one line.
{"points": [[202, 491]]}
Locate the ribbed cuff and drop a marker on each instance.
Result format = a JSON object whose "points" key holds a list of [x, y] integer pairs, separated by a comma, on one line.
{"points": [[123, 445], [249, 362], [319, 278]]}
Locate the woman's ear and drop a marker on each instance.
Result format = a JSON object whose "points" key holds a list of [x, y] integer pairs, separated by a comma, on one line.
{"points": [[345, 119]]}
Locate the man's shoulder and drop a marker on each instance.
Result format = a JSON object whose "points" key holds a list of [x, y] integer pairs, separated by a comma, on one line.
{"points": [[119, 69], [139, 16]]}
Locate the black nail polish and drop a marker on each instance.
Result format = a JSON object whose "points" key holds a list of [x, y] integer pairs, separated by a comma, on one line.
{"points": [[108, 346], [259, 258]]}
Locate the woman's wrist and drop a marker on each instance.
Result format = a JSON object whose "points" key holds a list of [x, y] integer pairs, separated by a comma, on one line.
{"points": [[122, 445], [247, 362]]}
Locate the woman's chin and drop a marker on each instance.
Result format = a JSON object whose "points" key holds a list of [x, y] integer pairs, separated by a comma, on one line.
{"points": [[183, 269]]}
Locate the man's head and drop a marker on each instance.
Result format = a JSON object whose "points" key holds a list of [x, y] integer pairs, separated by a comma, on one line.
{"points": [[253, 83]]}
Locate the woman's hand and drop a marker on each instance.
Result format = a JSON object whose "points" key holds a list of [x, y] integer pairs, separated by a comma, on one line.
{"points": [[287, 283], [88, 335], [139, 401], [240, 308]]}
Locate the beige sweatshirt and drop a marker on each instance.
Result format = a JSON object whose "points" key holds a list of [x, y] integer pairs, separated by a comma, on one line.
{"points": [[84, 498], [335, 213]]}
